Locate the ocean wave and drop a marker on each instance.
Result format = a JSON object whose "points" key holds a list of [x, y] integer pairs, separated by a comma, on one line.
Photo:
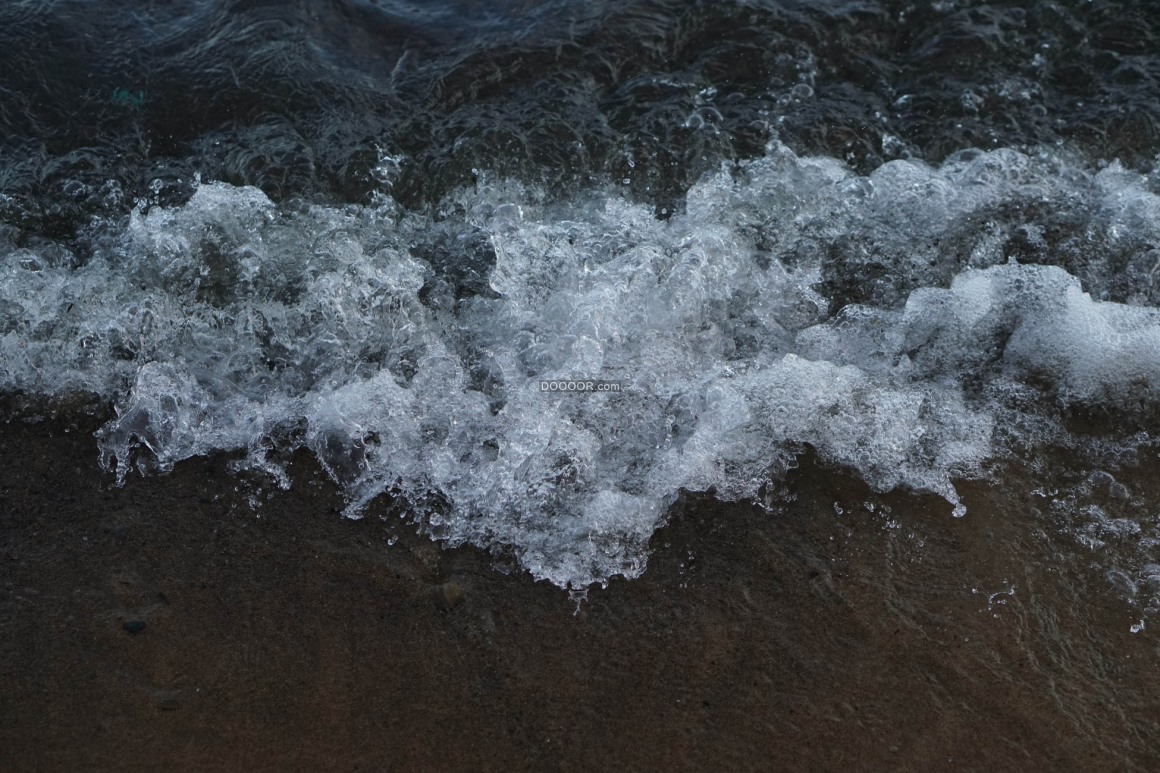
{"points": [[912, 324]]}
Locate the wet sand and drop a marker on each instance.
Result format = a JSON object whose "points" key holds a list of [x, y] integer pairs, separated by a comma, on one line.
{"points": [[167, 625]]}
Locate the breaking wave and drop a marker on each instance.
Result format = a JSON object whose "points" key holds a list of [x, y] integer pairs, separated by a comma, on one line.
{"points": [[912, 324]]}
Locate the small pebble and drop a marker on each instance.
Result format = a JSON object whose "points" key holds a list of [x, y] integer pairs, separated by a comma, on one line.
{"points": [[134, 626], [448, 595]]}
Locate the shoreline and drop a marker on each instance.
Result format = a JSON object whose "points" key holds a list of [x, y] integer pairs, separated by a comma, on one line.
{"points": [[288, 637]]}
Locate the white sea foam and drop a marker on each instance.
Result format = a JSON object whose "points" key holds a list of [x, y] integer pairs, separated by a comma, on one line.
{"points": [[232, 323]]}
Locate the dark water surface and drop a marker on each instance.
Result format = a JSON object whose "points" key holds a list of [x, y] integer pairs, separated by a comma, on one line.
{"points": [[295, 97], [857, 267]]}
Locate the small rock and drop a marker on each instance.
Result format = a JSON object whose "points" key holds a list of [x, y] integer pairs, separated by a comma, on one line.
{"points": [[448, 595], [134, 626]]}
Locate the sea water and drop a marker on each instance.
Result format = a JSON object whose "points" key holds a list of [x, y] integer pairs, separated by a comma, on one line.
{"points": [[388, 234]]}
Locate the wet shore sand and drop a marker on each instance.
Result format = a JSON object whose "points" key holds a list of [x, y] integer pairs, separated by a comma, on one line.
{"points": [[167, 625]]}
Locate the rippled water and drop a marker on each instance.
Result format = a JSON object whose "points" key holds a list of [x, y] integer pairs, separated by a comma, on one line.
{"points": [[917, 240]]}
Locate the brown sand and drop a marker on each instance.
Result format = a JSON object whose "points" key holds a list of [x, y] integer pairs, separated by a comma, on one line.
{"points": [[290, 638]]}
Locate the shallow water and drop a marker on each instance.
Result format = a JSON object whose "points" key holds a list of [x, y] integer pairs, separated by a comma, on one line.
{"points": [[835, 624]]}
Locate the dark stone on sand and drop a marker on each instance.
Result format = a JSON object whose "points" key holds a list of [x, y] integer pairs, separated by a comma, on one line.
{"points": [[448, 595], [134, 626]]}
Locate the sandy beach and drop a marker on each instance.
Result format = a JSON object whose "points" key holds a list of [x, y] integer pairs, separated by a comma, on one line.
{"points": [[170, 625]]}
